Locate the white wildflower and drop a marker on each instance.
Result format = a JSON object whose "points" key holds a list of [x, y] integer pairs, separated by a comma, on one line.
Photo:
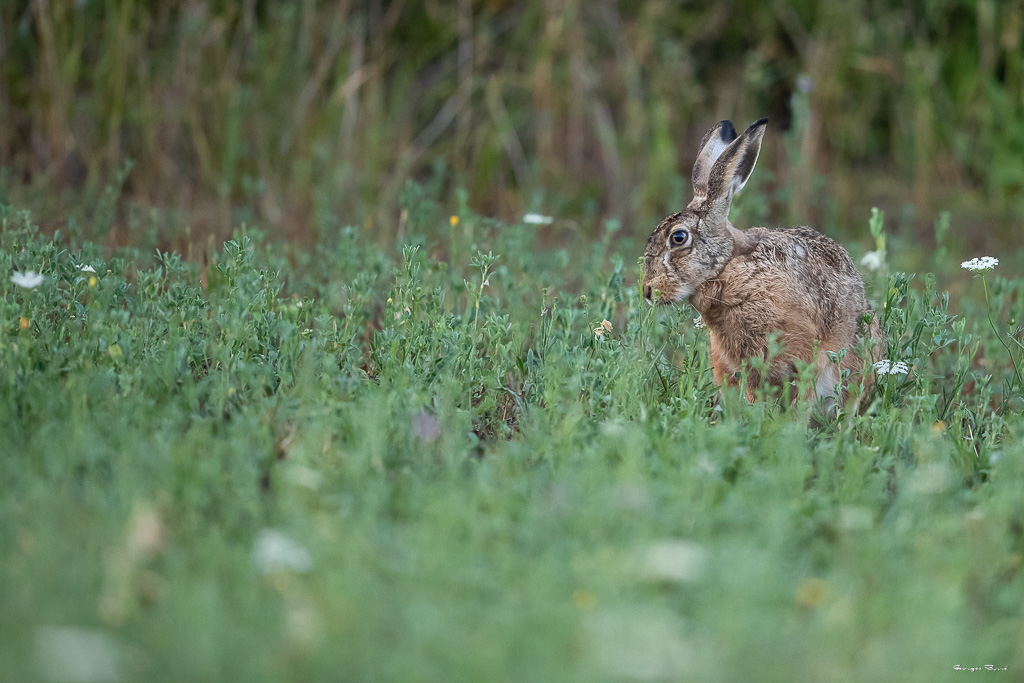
{"points": [[84, 655], [873, 260], [599, 331], [980, 265], [698, 322], [87, 269], [538, 219], [889, 367], [30, 279], [606, 325], [275, 552], [673, 560]]}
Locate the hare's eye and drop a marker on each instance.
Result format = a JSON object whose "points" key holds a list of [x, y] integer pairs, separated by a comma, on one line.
{"points": [[680, 238]]}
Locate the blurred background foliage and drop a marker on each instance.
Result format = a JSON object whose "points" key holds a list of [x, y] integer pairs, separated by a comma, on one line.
{"points": [[184, 118]]}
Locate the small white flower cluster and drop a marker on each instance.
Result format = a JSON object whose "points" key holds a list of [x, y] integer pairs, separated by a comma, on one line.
{"points": [[599, 331], [873, 260], [30, 279], [888, 367], [275, 552], [538, 219], [980, 265], [673, 560], [698, 323]]}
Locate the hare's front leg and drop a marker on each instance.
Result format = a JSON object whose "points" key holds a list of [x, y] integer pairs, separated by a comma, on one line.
{"points": [[723, 369], [726, 373]]}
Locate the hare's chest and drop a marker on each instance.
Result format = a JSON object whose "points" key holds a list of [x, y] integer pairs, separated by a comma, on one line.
{"points": [[729, 354], [743, 333]]}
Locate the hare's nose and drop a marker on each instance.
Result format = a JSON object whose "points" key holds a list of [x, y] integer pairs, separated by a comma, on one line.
{"points": [[647, 292]]}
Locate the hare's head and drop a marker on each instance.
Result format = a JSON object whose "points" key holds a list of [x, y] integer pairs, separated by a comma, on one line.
{"points": [[692, 246]]}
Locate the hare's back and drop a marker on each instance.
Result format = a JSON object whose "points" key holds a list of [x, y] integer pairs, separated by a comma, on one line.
{"points": [[819, 252], [806, 256], [812, 270]]}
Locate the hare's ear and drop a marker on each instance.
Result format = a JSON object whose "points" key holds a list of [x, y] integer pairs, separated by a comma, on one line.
{"points": [[714, 142], [734, 166]]}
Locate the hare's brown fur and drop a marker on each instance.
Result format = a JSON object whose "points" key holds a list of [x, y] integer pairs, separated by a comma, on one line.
{"points": [[749, 284]]}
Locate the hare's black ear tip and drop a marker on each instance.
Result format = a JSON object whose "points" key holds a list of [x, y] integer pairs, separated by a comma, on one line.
{"points": [[759, 123], [726, 131]]}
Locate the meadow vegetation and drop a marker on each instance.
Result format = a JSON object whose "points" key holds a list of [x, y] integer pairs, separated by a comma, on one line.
{"points": [[322, 354], [279, 464]]}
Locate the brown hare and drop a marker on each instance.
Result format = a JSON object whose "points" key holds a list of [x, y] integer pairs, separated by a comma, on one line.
{"points": [[748, 284]]}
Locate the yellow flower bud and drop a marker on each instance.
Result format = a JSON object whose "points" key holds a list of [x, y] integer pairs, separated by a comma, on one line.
{"points": [[811, 592]]}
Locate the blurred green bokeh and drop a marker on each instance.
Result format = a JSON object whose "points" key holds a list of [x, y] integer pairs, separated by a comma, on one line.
{"points": [[282, 113]]}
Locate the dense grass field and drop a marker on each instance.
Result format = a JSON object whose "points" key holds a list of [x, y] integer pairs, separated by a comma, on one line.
{"points": [[480, 457]]}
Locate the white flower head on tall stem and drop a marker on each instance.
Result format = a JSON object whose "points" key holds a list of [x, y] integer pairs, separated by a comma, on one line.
{"points": [[899, 368], [30, 279], [980, 265], [888, 367]]}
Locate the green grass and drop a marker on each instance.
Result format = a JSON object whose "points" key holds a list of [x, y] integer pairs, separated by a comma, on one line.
{"points": [[485, 490]]}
